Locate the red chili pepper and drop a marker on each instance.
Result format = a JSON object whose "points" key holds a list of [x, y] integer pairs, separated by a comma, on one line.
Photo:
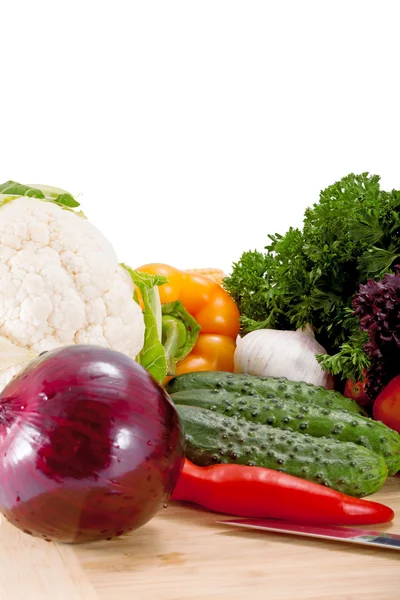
{"points": [[259, 492]]}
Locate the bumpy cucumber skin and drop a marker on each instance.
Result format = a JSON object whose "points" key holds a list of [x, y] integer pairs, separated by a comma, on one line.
{"points": [[288, 414], [212, 438], [266, 386]]}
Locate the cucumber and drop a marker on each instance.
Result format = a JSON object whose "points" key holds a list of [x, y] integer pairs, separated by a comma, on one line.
{"points": [[213, 438], [288, 414], [266, 386]]}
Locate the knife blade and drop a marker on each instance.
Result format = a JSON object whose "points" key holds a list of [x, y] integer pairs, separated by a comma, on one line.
{"points": [[337, 533]]}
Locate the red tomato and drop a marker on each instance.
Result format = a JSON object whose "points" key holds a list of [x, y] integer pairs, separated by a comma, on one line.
{"points": [[387, 405], [356, 391]]}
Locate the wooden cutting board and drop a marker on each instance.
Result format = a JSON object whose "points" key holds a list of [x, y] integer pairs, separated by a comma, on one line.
{"points": [[183, 554]]}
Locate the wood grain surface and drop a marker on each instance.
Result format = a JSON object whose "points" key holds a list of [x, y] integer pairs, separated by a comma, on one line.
{"points": [[183, 554]]}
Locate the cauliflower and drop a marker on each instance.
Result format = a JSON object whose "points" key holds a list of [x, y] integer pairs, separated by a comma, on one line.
{"points": [[60, 284]]}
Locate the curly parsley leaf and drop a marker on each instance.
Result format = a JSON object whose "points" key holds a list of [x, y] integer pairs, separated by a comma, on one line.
{"points": [[311, 275]]}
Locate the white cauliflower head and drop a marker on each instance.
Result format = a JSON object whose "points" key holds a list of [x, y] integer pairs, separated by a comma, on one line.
{"points": [[61, 284]]}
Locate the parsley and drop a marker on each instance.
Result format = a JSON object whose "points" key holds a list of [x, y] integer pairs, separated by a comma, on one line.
{"points": [[311, 275]]}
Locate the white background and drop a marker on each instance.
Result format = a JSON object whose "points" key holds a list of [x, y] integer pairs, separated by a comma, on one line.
{"points": [[191, 130]]}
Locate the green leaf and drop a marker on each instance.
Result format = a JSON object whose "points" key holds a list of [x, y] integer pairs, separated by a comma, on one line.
{"points": [[350, 361], [43, 192], [67, 200], [152, 355], [145, 279], [18, 189], [377, 261]]}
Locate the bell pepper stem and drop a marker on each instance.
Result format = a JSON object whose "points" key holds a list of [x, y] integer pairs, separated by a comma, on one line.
{"points": [[174, 338], [180, 331]]}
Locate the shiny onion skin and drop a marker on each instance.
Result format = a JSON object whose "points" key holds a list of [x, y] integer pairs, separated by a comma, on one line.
{"points": [[90, 446]]}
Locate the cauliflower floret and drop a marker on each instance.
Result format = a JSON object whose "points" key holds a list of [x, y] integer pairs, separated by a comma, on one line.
{"points": [[61, 283]]}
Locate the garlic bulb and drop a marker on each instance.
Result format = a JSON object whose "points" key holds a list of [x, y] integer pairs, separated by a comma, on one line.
{"points": [[277, 353]]}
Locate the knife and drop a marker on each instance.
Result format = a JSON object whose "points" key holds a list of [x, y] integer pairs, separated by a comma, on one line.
{"points": [[337, 533]]}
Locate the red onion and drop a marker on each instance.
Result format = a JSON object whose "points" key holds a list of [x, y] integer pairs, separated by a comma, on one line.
{"points": [[90, 446]]}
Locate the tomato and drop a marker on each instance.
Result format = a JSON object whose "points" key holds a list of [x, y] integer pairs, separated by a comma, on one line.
{"points": [[356, 391], [387, 405], [169, 292]]}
